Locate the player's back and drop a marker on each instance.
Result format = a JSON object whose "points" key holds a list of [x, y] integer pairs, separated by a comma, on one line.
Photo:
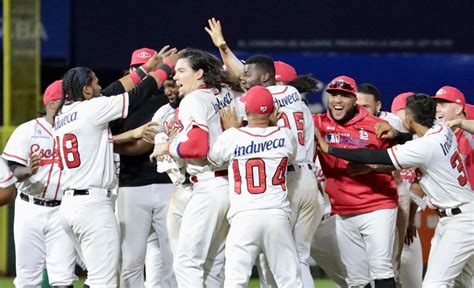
{"points": [[201, 108], [297, 117], [257, 167], [85, 142]]}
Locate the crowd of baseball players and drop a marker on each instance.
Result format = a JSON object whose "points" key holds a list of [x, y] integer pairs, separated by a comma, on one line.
{"points": [[192, 169]]}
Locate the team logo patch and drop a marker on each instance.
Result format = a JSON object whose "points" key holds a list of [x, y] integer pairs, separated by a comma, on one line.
{"points": [[263, 108], [144, 55], [363, 134], [440, 91]]}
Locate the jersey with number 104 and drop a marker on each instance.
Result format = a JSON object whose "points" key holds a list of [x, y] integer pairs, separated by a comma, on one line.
{"points": [[444, 178], [257, 161], [83, 138], [297, 117], [201, 108]]}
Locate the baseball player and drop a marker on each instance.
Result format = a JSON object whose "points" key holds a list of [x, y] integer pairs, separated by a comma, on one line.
{"points": [[257, 157], [450, 105], [165, 118], [369, 97], [83, 138], [40, 241], [7, 181], [365, 205], [411, 259], [200, 253], [302, 185], [444, 180], [143, 194]]}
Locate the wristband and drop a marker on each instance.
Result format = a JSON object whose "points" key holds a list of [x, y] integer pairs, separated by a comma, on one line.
{"points": [[169, 63], [161, 75], [146, 69], [167, 68], [136, 79]]}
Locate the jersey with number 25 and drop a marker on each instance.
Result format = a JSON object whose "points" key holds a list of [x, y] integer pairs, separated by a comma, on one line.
{"points": [[83, 138], [257, 161]]}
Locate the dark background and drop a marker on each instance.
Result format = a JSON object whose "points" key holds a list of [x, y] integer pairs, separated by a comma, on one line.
{"points": [[397, 45]]}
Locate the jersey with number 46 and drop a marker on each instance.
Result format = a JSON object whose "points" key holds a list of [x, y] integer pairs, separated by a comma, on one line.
{"points": [[297, 117], [257, 161], [84, 141]]}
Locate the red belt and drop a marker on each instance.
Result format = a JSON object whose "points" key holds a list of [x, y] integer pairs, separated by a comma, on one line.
{"points": [[220, 173]]}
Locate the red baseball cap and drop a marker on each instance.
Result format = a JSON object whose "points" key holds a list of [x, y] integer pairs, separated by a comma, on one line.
{"points": [[342, 83], [142, 55], [284, 72], [258, 100], [400, 101], [469, 109], [53, 92], [450, 94]]}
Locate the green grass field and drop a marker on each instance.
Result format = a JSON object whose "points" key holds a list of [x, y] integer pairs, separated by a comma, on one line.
{"points": [[323, 283]]}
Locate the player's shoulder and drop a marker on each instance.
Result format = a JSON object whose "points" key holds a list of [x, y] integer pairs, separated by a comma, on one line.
{"points": [[163, 111], [282, 89], [392, 119], [27, 125]]}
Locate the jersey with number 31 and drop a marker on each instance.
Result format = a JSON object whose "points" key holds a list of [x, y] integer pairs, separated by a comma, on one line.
{"points": [[84, 141], [257, 161]]}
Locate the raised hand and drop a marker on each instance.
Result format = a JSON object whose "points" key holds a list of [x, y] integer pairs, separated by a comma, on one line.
{"points": [[157, 59], [215, 31]]}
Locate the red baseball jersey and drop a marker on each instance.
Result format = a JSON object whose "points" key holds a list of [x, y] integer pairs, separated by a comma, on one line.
{"points": [[354, 194]]}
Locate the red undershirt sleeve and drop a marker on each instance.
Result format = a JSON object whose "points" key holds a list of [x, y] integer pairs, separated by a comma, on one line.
{"points": [[196, 146]]}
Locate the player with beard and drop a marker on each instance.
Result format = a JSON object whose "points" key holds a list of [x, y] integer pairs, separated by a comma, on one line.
{"points": [[365, 205]]}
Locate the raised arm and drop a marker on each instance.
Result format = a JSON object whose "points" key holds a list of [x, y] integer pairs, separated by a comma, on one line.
{"points": [[232, 63], [464, 124]]}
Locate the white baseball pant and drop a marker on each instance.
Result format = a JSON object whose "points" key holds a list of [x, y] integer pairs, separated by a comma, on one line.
{"points": [[40, 242], [366, 245], [266, 231], [411, 268], [400, 231], [325, 251], [307, 209], [452, 247], [199, 256], [90, 222], [138, 208], [466, 278], [179, 200], [153, 261]]}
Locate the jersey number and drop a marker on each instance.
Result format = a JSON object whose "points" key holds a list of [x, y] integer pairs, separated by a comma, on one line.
{"points": [[456, 162], [70, 150], [256, 167], [299, 121]]}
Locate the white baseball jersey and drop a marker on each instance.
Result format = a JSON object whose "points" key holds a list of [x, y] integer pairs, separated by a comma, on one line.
{"points": [[297, 117], [6, 176], [392, 119], [201, 108], [36, 137], [164, 118], [444, 178], [85, 143], [257, 160]]}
